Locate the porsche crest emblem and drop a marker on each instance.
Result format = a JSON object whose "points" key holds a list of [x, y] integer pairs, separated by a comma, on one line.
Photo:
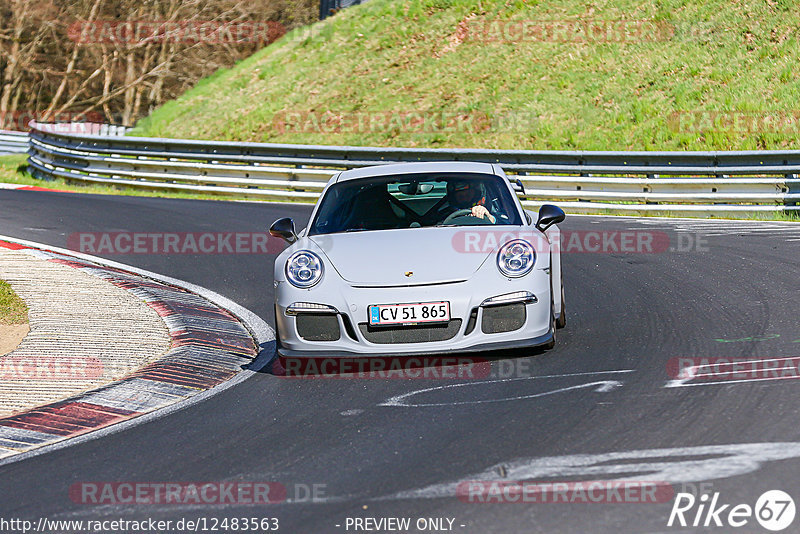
{"points": [[409, 273]]}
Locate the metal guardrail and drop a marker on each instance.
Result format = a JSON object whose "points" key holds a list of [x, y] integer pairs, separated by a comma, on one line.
{"points": [[692, 182], [15, 142], [12, 142], [330, 7], [82, 128]]}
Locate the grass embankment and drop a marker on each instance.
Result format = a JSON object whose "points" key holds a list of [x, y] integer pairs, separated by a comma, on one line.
{"points": [[622, 86], [666, 75], [12, 308], [13, 319]]}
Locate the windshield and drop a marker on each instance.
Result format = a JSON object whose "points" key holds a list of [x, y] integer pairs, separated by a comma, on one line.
{"points": [[415, 201]]}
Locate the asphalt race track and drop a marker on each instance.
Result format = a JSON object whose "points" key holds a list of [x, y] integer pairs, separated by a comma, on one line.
{"points": [[601, 402]]}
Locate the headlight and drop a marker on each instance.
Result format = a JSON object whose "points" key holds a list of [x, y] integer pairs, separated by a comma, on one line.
{"points": [[516, 258], [303, 269]]}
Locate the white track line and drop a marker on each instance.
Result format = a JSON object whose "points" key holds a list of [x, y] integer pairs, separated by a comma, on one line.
{"points": [[603, 386]]}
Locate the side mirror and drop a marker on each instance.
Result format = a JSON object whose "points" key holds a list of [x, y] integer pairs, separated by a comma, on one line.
{"points": [[548, 216], [283, 228], [408, 189], [415, 189]]}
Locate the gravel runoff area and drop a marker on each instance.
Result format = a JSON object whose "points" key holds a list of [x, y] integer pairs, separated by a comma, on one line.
{"points": [[84, 332], [11, 335]]}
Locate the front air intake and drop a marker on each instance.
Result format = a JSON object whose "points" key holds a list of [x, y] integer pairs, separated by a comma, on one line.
{"points": [[318, 326], [505, 318]]}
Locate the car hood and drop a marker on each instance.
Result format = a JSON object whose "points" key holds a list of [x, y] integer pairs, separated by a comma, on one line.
{"points": [[385, 257]]}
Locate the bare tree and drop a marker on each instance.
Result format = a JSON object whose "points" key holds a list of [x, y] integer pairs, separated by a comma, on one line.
{"points": [[25, 28], [125, 57]]}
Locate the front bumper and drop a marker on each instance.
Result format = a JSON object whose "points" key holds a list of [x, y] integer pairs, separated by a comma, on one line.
{"points": [[467, 332], [485, 347]]}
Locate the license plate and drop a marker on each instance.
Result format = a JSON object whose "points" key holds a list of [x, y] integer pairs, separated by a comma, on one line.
{"points": [[409, 314]]}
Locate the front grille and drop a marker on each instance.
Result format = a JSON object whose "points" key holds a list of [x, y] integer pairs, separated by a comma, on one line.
{"points": [[505, 318], [318, 326], [410, 334]]}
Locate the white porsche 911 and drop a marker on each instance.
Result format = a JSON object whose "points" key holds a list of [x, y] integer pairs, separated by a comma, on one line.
{"points": [[419, 258]]}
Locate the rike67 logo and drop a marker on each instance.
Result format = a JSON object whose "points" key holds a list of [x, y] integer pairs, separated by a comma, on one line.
{"points": [[774, 510]]}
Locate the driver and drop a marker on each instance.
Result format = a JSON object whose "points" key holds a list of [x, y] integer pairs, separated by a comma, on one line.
{"points": [[466, 194]]}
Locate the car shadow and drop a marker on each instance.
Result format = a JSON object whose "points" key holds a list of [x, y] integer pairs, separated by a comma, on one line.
{"points": [[451, 365]]}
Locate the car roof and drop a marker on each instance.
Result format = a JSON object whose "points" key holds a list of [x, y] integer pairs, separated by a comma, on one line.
{"points": [[417, 168]]}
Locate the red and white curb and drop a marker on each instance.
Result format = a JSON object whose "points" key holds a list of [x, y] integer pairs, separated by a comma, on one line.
{"points": [[22, 187], [212, 341]]}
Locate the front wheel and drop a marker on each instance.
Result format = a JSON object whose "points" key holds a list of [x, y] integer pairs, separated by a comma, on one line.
{"points": [[552, 343], [562, 319]]}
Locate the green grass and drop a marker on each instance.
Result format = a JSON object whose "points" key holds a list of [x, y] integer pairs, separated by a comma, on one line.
{"points": [[12, 309], [388, 56]]}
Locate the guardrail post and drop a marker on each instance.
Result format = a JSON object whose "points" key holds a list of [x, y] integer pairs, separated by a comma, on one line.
{"points": [[522, 173], [583, 174], [646, 189], [791, 188]]}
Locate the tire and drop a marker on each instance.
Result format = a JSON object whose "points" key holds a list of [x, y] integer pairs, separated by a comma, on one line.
{"points": [[552, 343], [562, 319]]}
